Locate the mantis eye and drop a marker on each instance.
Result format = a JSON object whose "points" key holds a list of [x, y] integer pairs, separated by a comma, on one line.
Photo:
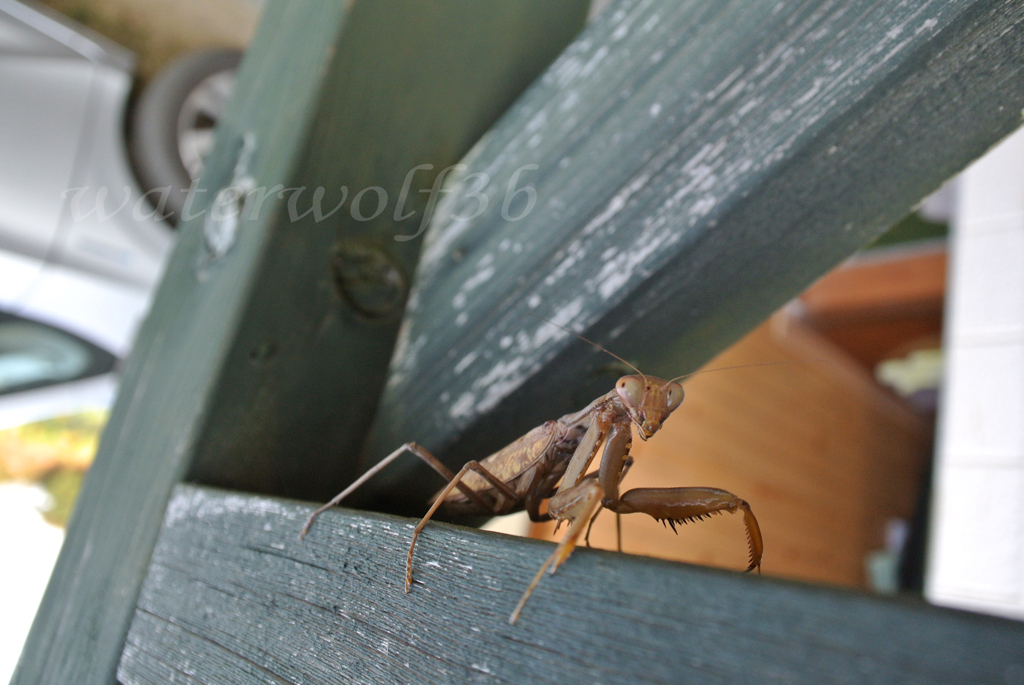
{"points": [[673, 395], [631, 390]]}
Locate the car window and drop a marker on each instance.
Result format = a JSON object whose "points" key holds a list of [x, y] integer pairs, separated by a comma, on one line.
{"points": [[33, 355]]}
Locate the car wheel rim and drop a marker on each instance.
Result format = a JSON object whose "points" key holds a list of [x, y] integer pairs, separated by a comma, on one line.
{"points": [[199, 114]]}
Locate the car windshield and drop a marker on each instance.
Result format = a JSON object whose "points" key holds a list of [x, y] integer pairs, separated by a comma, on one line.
{"points": [[34, 354]]}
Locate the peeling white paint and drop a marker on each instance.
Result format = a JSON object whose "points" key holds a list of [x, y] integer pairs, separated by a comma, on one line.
{"points": [[440, 242], [811, 93], [499, 382], [576, 254], [726, 82], [548, 332], [595, 60], [463, 406], [197, 504], [616, 204], [566, 72], [478, 278], [465, 362], [569, 101], [615, 273], [500, 371], [699, 185], [538, 120], [403, 359], [747, 107], [702, 206]]}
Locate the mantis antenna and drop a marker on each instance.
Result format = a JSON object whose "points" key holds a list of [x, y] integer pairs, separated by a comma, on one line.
{"points": [[590, 342], [685, 375]]}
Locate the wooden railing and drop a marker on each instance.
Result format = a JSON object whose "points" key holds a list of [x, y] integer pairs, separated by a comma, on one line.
{"points": [[678, 172]]}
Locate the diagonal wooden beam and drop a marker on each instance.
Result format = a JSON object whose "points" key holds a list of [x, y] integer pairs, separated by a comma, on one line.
{"points": [[691, 167]]}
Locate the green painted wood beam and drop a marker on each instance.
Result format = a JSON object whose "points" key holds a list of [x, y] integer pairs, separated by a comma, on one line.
{"points": [[254, 368], [233, 596], [690, 168], [404, 100]]}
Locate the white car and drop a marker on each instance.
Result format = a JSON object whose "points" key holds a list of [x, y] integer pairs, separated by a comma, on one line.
{"points": [[81, 247]]}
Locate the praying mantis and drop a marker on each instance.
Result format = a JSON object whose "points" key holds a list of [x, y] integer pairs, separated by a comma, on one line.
{"points": [[550, 463]]}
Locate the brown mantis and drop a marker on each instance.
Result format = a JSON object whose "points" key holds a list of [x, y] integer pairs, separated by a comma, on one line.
{"points": [[551, 461]]}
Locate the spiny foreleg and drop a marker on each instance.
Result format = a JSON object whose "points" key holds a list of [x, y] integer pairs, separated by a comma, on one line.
{"points": [[681, 505]]}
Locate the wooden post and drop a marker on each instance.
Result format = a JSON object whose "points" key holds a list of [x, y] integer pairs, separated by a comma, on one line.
{"points": [[265, 350]]}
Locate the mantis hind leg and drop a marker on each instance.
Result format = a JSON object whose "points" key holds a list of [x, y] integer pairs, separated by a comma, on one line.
{"points": [[682, 505], [456, 482], [413, 448]]}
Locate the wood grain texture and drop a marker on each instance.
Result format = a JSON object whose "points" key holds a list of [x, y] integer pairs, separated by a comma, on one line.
{"points": [[233, 597], [698, 164], [250, 370]]}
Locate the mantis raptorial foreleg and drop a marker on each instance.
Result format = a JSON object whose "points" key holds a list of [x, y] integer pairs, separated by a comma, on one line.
{"points": [[585, 451], [681, 505]]}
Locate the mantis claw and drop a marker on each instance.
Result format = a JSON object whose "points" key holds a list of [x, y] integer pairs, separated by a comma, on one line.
{"points": [[681, 505]]}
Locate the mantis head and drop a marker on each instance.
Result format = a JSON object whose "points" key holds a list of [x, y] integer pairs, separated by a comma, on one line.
{"points": [[649, 401]]}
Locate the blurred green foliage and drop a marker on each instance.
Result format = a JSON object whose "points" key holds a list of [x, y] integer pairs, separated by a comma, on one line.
{"points": [[55, 453]]}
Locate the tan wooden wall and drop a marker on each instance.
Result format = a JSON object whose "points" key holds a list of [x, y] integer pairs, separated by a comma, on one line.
{"points": [[823, 455]]}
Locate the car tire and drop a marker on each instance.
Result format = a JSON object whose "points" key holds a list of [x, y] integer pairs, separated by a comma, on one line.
{"points": [[173, 120]]}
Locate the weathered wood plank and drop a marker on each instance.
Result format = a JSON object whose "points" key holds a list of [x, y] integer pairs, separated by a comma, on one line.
{"points": [[250, 347], [697, 165], [411, 86], [234, 597]]}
